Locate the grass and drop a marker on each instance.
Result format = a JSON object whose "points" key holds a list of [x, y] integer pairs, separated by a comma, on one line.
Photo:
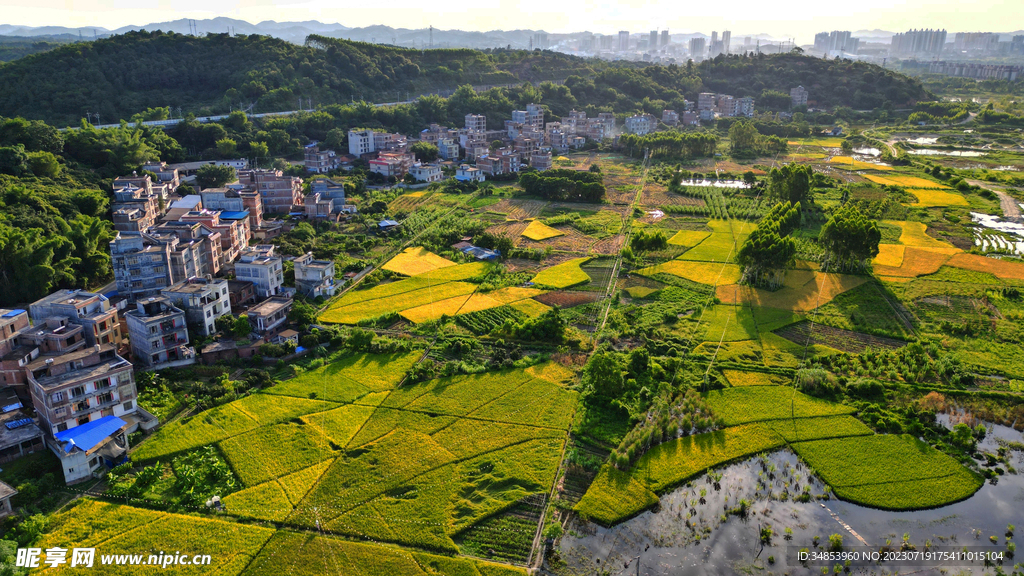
{"points": [[723, 243], [119, 529], [688, 238], [729, 323], [415, 261], [613, 496], [641, 291], [711, 273], [801, 429], [756, 403], [802, 291], [563, 275], [743, 378], [905, 181], [224, 422], [273, 451], [306, 554], [849, 163], [531, 307], [538, 231], [929, 198], [895, 472], [341, 424], [367, 310]]}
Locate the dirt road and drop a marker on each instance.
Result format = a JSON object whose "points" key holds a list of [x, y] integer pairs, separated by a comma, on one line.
{"points": [[1011, 209]]}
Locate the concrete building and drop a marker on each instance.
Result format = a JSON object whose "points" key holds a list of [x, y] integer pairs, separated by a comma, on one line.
{"points": [[314, 277], [195, 249], [467, 173], [426, 172], [19, 434], [798, 96], [270, 316], [641, 124], [259, 265], [476, 123], [391, 165], [697, 48], [360, 142], [664, 39], [320, 161], [231, 199], [158, 331], [918, 42], [91, 311], [745, 107], [623, 40], [669, 117], [706, 101], [279, 192], [448, 149], [203, 300], [241, 293], [540, 160], [141, 263]]}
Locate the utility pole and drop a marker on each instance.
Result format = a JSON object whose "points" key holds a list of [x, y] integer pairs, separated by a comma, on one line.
{"points": [[431, 36]]}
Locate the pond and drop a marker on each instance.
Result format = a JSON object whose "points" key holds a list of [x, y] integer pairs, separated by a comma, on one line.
{"points": [[957, 153], [867, 151], [985, 241], [686, 536], [716, 183]]}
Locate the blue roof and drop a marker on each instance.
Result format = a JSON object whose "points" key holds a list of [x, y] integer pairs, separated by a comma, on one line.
{"points": [[388, 223], [481, 253], [13, 313], [234, 215], [87, 436]]}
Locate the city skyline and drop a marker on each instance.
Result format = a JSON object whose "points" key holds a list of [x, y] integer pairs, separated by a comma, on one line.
{"points": [[802, 19]]}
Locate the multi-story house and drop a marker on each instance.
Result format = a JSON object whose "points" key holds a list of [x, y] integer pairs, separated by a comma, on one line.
{"points": [[541, 160], [448, 149], [314, 277], [641, 124], [706, 101], [318, 207], [259, 265], [727, 105], [197, 252], [467, 173], [389, 164], [499, 162], [279, 192], [389, 142], [135, 208], [203, 300], [525, 147], [158, 332], [320, 161], [476, 123], [669, 117], [745, 107], [798, 96], [85, 401], [232, 226], [426, 172], [141, 263], [164, 174], [360, 142], [270, 316], [232, 199], [91, 311]]}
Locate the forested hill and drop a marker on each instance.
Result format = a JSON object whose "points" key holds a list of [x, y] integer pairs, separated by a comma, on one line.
{"points": [[121, 76]]}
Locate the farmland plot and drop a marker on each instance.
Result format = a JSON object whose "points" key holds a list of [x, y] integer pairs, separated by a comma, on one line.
{"points": [[804, 333], [415, 261], [757, 403], [563, 275]]}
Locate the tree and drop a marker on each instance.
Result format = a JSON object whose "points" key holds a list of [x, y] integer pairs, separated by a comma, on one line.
{"points": [[849, 239], [424, 151], [495, 145], [743, 137], [602, 379], [749, 178], [13, 160], [241, 328], [259, 150], [214, 176], [44, 164], [227, 147], [769, 250], [791, 183]]}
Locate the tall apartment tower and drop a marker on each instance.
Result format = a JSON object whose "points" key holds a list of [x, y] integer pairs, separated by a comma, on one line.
{"points": [[664, 38], [697, 46], [653, 42], [726, 39], [623, 40]]}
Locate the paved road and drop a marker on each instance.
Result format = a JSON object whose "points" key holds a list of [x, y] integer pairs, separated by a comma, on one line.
{"points": [[1011, 209]]}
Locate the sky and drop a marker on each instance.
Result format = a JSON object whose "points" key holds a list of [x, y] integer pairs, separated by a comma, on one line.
{"points": [[799, 19]]}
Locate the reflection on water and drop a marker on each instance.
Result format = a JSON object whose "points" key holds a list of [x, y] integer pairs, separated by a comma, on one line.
{"points": [[868, 151], [716, 183], [957, 153], [694, 532]]}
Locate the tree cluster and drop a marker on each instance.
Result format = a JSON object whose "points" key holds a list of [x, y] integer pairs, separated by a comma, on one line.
{"points": [[850, 239], [564, 185], [769, 249]]}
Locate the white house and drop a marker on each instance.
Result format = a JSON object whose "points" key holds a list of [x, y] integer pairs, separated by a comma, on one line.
{"points": [[466, 173]]}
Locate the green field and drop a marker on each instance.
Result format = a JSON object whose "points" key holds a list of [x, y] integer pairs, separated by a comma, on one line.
{"points": [[895, 472], [563, 275]]}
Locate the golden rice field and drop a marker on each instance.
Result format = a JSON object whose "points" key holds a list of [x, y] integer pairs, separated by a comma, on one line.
{"points": [[850, 163], [688, 238], [415, 261], [915, 234], [890, 255], [530, 307], [928, 198], [723, 243], [823, 142], [744, 378], [711, 273], [538, 231], [904, 181], [914, 261], [1005, 269], [563, 275], [802, 291]]}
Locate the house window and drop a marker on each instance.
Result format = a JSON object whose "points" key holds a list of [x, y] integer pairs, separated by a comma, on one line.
{"points": [[78, 391], [83, 420], [62, 427], [57, 397], [127, 405], [60, 411]]}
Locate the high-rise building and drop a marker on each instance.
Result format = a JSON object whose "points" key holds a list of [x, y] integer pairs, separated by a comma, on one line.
{"points": [[821, 41], [652, 43], [726, 40], [607, 42], [918, 41], [623, 40], [664, 38], [697, 46], [984, 42]]}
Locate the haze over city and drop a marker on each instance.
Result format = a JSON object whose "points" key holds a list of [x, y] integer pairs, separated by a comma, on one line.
{"points": [[801, 20]]}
